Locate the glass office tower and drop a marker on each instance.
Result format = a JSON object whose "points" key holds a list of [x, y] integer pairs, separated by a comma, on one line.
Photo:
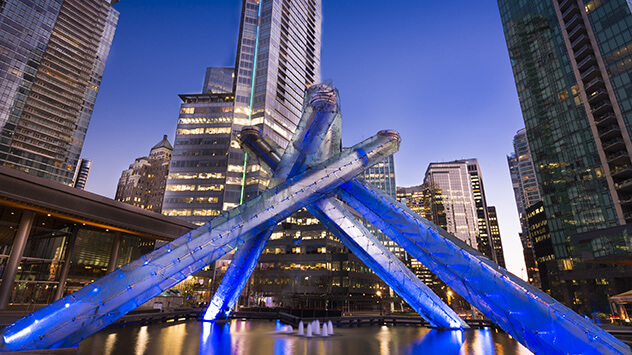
{"points": [[526, 193], [51, 64], [455, 200], [382, 176], [571, 62]]}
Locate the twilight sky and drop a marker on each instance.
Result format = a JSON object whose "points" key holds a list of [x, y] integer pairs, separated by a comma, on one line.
{"points": [[438, 72]]}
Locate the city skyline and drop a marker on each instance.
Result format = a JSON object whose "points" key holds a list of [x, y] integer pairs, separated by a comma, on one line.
{"points": [[414, 90]]}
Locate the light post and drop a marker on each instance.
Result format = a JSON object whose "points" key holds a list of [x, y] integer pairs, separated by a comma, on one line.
{"points": [[379, 301]]}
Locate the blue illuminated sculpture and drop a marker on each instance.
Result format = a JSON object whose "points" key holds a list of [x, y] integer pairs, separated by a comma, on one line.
{"points": [[315, 173]]}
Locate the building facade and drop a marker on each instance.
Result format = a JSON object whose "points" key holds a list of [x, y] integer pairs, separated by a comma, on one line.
{"points": [[143, 184], [53, 58], [414, 198], [455, 200], [382, 176], [494, 235], [81, 173], [571, 63], [526, 193]]}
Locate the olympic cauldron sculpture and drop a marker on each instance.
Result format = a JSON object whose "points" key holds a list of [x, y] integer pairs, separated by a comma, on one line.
{"points": [[314, 172]]}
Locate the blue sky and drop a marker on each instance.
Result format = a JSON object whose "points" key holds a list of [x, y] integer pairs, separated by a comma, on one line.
{"points": [[437, 72]]}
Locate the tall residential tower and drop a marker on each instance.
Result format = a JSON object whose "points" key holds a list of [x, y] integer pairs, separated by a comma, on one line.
{"points": [[572, 63], [51, 64]]}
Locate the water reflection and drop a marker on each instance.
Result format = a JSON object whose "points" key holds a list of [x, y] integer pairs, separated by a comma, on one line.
{"points": [[445, 342], [141, 341], [483, 342], [240, 337], [384, 337], [109, 344], [215, 338]]}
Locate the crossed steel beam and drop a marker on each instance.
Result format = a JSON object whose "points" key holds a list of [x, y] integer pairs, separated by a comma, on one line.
{"points": [[315, 173], [316, 139]]}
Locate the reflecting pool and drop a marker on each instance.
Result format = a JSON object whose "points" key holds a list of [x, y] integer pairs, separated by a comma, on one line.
{"points": [[258, 337]]}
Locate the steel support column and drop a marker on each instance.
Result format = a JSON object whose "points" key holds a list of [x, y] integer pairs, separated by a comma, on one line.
{"points": [[114, 253], [63, 275], [19, 242]]}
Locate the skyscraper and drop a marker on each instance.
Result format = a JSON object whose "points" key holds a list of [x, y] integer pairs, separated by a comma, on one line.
{"points": [[382, 176], [494, 235], [455, 200], [81, 173], [143, 184], [267, 92], [572, 66], [51, 64], [414, 198], [526, 193]]}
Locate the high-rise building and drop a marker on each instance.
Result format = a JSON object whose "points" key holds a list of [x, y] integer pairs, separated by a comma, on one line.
{"points": [[81, 173], [526, 193], [413, 197], [382, 176], [278, 58], [544, 256], [218, 80], [51, 64], [572, 64], [494, 234], [143, 184], [267, 92], [455, 200]]}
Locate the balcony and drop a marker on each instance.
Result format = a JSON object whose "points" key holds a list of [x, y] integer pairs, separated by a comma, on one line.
{"points": [[581, 39], [609, 132], [619, 157], [577, 19], [586, 61], [598, 95], [626, 200], [625, 185], [572, 10], [601, 108], [605, 120], [582, 52], [590, 73], [613, 144], [594, 84], [564, 4], [622, 172], [580, 29]]}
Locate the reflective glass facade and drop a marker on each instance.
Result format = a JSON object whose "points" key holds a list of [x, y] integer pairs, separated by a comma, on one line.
{"points": [[382, 176], [569, 60], [451, 201], [51, 70], [526, 193], [218, 80]]}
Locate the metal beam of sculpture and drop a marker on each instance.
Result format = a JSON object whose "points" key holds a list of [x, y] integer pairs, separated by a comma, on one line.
{"points": [[320, 109], [529, 315], [314, 141], [71, 319]]}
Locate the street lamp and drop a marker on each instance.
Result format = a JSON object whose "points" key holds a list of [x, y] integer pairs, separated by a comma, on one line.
{"points": [[379, 301]]}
